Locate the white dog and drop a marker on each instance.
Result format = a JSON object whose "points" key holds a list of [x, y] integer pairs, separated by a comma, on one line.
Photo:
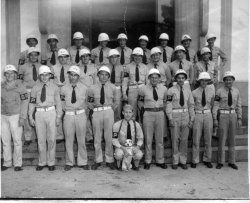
{"points": [[126, 162]]}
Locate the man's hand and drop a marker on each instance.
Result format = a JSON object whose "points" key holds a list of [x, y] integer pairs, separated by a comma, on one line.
{"points": [[216, 124], [190, 124], [58, 121], [171, 123], [21, 122], [32, 121], [239, 123]]}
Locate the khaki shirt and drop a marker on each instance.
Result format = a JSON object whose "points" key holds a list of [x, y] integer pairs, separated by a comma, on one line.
{"points": [[52, 98], [127, 55], [169, 52], [14, 99], [90, 77], [201, 67], [148, 54], [119, 72], [95, 53], [216, 53], [120, 133], [48, 56], [25, 74], [221, 101], [72, 53], [197, 95], [81, 97], [56, 69], [173, 99]]}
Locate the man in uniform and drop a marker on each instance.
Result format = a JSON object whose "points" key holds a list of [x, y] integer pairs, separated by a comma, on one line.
{"points": [[102, 100], [28, 74], [52, 54], [153, 98], [14, 107], [135, 76], [180, 112], [203, 122], [74, 104], [45, 98], [125, 129], [74, 51], [143, 42], [228, 104], [125, 52], [99, 55], [190, 54], [166, 51]]}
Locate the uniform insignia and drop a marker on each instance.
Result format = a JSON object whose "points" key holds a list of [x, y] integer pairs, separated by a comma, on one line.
{"points": [[90, 99], [140, 98], [126, 74], [217, 98], [44, 62], [115, 135], [24, 96], [32, 100], [21, 62], [62, 97], [52, 76], [169, 98], [20, 77]]}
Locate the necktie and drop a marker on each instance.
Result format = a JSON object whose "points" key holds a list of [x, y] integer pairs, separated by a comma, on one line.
{"points": [[62, 78], [34, 72], [129, 131], [122, 60], [180, 65], [155, 94], [102, 99], [53, 58], [144, 58], [101, 56], [187, 55], [77, 59], [206, 67], [164, 56], [137, 77], [211, 55], [203, 100], [43, 94], [112, 79], [73, 97], [230, 99], [85, 68], [181, 97], [155, 66]]}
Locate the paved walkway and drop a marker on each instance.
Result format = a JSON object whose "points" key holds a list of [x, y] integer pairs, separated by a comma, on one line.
{"points": [[104, 183]]}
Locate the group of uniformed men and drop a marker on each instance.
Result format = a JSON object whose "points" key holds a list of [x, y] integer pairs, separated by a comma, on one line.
{"points": [[78, 92]]}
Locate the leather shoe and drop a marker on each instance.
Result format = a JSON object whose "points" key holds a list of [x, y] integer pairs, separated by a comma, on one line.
{"points": [[233, 166], [27, 143], [208, 164], [163, 165], [18, 168], [39, 168], [193, 165], [84, 167], [184, 166], [51, 168], [136, 168], [111, 166], [219, 166], [68, 167], [4, 168], [147, 166], [174, 166], [95, 166]]}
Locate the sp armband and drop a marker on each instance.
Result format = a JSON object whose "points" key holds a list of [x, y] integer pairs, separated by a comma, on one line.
{"points": [[169, 98], [62, 97], [24, 96], [217, 98], [90, 99], [32, 100], [140, 98], [115, 135]]}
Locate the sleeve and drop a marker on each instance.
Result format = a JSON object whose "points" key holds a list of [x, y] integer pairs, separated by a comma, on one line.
{"points": [[90, 98], [115, 140], [141, 97], [125, 80], [169, 106], [21, 58], [62, 97], [58, 103], [32, 101], [139, 135], [168, 75], [238, 107], [196, 73], [165, 98], [212, 100], [191, 107], [216, 106], [191, 73], [223, 57], [215, 79], [93, 55], [24, 102], [115, 99], [20, 73]]}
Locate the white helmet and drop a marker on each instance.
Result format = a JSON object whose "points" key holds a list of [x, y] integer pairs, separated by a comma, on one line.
{"points": [[33, 49], [74, 69], [52, 36], [122, 36], [154, 71], [138, 51], [104, 68], [31, 37], [205, 50], [144, 37], [113, 52], [44, 69], [164, 36], [210, 35], [78, 35], [103, 37], [204, 76], [180, 71], [185, 37], [179, 48], [84, 52], [228, 74], [10, 68], [63, 52], [155, 50]]}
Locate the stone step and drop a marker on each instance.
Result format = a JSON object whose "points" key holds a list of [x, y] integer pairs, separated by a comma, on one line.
{"points": [[242, 130]]}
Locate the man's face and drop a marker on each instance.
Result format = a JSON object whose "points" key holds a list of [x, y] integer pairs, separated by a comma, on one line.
{"points": [[32, 42], [73, 77], [85, 58], [203, 83], [211, 42], [180, 79], [137, 58], [103, 76], [78, 42], [52, 43], [63, 59], [45, 77], [143, 44], [156, 57], [33, 57], [122, 42], [179, 54], [206, 56], [154, 79], [113, 59], [229, 82], [128, 114], [103, 43], [10, 76], [164, 42], [186, 43]]}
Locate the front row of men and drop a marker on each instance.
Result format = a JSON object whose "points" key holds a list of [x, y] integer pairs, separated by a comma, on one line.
{"points": [[124, 139]]}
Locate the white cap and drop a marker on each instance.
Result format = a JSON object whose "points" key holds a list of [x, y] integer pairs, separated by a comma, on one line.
{"points": [[138, 51], [44, 69], [78, 35], [74, 69], [10, 68], [33, 49], [204, 76], [84, 52], [180, 71], [144, 37], [122, 36], [205, 50], [113, 52], [179, 48], [164, 36], [104, 68], [210, 35], [62, 52], [103, 37], [185, 37], [155, 50], [154, 71], [52, 36], [228, 74], [31, 37]]}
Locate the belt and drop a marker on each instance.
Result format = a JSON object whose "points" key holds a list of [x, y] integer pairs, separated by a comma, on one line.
{"points": [[45, 108], [203, 111], [135, 86], [118, 87], [179, 110], [102, 108], [73, 113], [154, 109], [227, 111]]}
